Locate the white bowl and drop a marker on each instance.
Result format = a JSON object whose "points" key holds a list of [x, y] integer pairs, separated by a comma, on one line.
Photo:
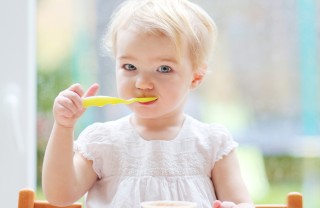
{"points": [[168, 204]]}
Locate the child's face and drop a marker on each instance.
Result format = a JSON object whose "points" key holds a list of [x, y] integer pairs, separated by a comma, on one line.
{"points": [[147, 65]]}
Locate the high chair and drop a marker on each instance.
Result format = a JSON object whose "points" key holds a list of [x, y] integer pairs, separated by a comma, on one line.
{"points": [[294, 200], [27, 200]]}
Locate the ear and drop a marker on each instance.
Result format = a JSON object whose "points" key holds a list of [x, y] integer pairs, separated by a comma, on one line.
{"points": [[198, 76]]}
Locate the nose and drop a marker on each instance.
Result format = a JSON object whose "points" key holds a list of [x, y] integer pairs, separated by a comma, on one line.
{"points": [[144, 82]]}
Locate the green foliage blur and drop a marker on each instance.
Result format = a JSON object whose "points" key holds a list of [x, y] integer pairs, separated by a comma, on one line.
{"points": [[49, 84]]}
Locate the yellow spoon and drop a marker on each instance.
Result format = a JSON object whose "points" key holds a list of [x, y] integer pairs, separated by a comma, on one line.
{"points": [[105, 100]]}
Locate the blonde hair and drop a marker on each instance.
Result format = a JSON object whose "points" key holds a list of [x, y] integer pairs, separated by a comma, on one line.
{"points": [[177, 19]]}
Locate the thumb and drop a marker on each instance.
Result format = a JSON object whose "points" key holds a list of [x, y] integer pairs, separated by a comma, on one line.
{"points": [[216, 204], [92, 90]]}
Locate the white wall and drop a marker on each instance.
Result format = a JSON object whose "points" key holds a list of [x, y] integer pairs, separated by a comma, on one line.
{"points": [[18, 99]]}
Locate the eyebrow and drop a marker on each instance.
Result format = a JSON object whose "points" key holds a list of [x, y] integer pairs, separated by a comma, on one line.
{"points": [[164, 59], [172, 60], [126, 57]]}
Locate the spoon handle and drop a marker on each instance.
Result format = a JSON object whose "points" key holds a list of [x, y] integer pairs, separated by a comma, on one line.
{"points": [[105, 100]]}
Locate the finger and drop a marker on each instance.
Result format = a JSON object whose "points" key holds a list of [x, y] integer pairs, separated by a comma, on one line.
{"points": [[72, 99], [71, 103], [93, 89], [227, 204], [64, 112], [217, 204], [77, 89]]}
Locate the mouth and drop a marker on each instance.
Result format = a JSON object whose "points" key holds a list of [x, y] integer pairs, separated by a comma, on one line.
{"points": [[148, 103]]}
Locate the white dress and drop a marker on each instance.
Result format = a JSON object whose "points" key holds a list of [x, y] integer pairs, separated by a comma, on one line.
{"points": [[131, 169]]}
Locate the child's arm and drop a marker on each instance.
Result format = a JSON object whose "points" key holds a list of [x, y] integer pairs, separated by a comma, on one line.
{"points": [[229, 185], [66, 177]]}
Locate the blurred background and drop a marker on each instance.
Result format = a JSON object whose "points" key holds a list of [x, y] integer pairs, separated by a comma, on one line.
{"points": [[263, 85]]}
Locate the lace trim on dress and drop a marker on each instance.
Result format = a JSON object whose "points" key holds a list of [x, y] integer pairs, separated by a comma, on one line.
{"points": [[226, 150], [81, 149]]}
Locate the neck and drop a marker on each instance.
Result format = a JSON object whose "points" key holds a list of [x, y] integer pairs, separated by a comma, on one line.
{"points": [[164, 128]]}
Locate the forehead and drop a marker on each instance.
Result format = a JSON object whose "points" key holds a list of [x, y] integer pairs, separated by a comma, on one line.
{"points": [[133, 42]]}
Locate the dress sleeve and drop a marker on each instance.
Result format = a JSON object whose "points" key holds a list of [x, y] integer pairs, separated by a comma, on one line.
{"points": [[91, 144], [224, 142]]}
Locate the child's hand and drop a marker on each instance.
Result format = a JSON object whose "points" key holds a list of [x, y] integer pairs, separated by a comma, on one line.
{"points": [[67, 107], [225, 204]]}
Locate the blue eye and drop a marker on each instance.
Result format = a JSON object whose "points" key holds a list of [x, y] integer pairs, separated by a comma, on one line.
{"points": [[164, 69], [129, 67]]}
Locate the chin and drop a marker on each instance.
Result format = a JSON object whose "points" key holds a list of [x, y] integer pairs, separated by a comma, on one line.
{"points": [[145, 116]]}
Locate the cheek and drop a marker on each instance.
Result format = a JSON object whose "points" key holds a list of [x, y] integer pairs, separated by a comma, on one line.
{"points": [[124, 86], [174, 94], [121, 84]]}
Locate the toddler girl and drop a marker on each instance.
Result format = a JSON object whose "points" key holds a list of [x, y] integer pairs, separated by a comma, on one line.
{"points": [[161, 48]]}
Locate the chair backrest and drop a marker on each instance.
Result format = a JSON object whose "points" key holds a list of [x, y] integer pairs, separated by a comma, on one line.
{"points": [[294, 200], [27, 200]]}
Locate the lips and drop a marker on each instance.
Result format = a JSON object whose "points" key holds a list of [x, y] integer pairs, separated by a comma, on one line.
{"points": [[148, 103]]}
